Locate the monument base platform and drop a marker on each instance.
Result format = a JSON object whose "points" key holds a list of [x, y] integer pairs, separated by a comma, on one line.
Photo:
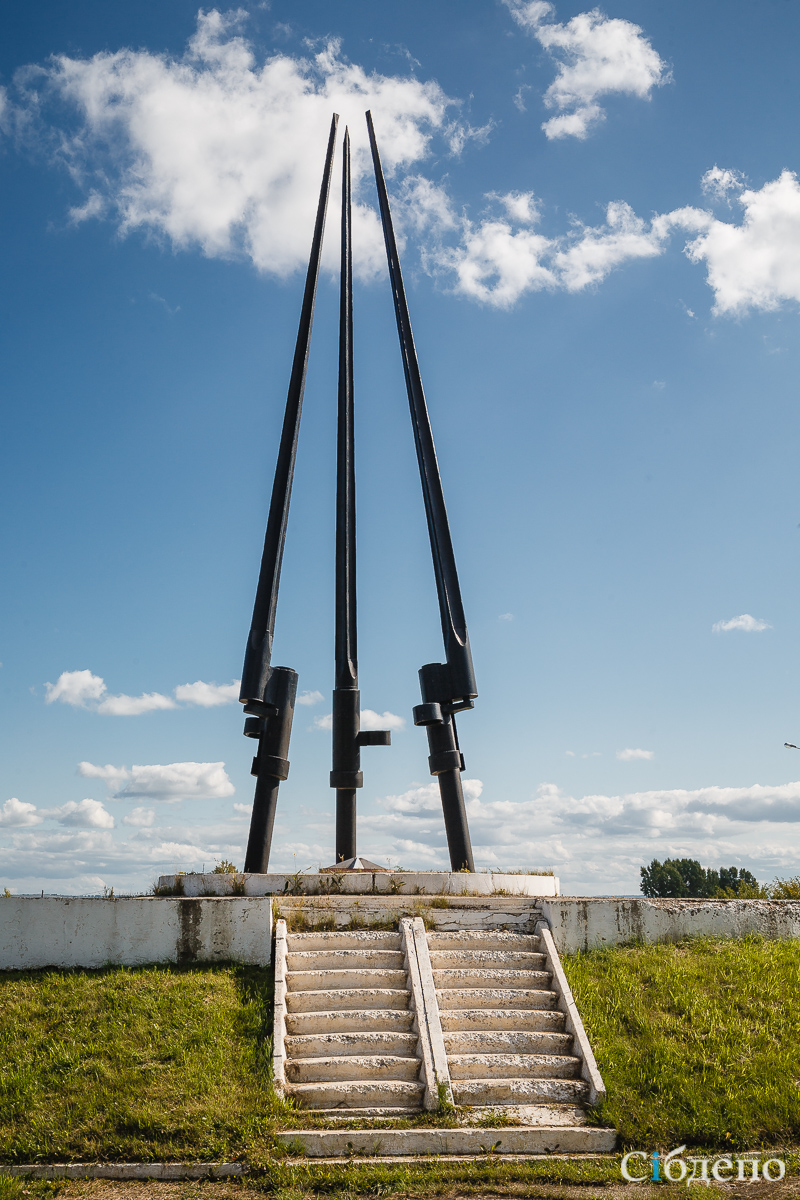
{"points": [[361, 883]]}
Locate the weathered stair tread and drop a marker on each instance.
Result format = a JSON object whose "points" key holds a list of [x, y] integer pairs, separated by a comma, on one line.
{"points": [[377, 1113], [367, 1042], [336, 958], [347, 998], [499, 1019], [507, 1041], [360, 1093], [487, 977], [556, 1139], [504, 1066], [516, 959], [479, 939], [333, 1069], [495, 998], [348, 1020], [518, 1091], [340, 940], [352, 977], [531, 1114]]}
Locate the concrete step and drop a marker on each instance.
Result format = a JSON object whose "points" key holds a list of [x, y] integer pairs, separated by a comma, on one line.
{"points": [[346, 998], [363, 1067], [556, 1139], [507, 1041], [332, 960], [342, 1115], [508, 1066], [531, 1114], [519, 1091], [349, 1020], [334, 981], [485, 1020], [484, 977], [341, 940], [360, 1093], [451, 998], [365, 1042], [483, 939], [515, 959]]}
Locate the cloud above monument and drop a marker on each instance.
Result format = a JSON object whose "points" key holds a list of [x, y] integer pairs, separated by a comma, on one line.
{"points": [[82, 689], [219, 151], [741, 624], [369, 720], [595, 56], [172, 781]]}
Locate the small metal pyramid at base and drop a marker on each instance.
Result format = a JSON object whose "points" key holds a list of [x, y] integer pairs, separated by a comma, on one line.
{"points": [[356, 864]]}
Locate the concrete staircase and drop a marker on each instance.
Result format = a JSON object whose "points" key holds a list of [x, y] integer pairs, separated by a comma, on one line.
{"points": [[388, 1024], [506, 1038], [349, 1041]]}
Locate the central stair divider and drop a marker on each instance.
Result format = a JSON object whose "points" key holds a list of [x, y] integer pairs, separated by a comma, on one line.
{"points": [[435, 1073]]}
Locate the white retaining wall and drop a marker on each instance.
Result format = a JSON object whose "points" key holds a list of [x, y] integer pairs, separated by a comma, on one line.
{"points": [[66, 931], [62, 931], [586, 924]]}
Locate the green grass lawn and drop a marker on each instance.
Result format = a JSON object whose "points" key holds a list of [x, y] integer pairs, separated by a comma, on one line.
{"points": [[697, 1043], [147, 1064]]}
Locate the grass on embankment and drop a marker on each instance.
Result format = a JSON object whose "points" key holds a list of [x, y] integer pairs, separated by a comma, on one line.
{"points": [[134, 1064], [697, 1042]]}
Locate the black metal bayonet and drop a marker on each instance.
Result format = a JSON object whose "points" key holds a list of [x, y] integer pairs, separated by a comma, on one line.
{"points": [[348, 738], [267, 692], [448, 687]]}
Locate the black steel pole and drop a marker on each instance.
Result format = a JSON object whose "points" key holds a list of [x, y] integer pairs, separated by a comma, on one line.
{"points": [[258, 655], [346, 775], [270, 765], [447, 687], [268, 692], [347, 739]]}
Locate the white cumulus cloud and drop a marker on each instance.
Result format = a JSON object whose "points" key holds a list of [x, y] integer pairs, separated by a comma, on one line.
{"points": [[310, 698], [82, 689], [718, 181], [85, 814], [140, 818], [207, 695], [133, 706], [369, 720], [631, 755], [745, 624], [218, 150], [595, 56], [750, 264], [755, 264], [18, 813], [78, 688], [384, 720], [173, 781]]}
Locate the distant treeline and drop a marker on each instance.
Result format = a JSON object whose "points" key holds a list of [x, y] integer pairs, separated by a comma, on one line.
{"points": [[686, 878]]}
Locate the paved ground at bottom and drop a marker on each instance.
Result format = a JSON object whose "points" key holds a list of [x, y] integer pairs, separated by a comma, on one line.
{"points": [[231, 1190]]}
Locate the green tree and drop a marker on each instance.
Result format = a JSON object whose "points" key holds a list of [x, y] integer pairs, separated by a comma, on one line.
{"points": [[686, 878]]}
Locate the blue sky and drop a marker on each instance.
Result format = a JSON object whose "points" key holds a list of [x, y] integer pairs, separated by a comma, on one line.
{"points": [[602, 249]]}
